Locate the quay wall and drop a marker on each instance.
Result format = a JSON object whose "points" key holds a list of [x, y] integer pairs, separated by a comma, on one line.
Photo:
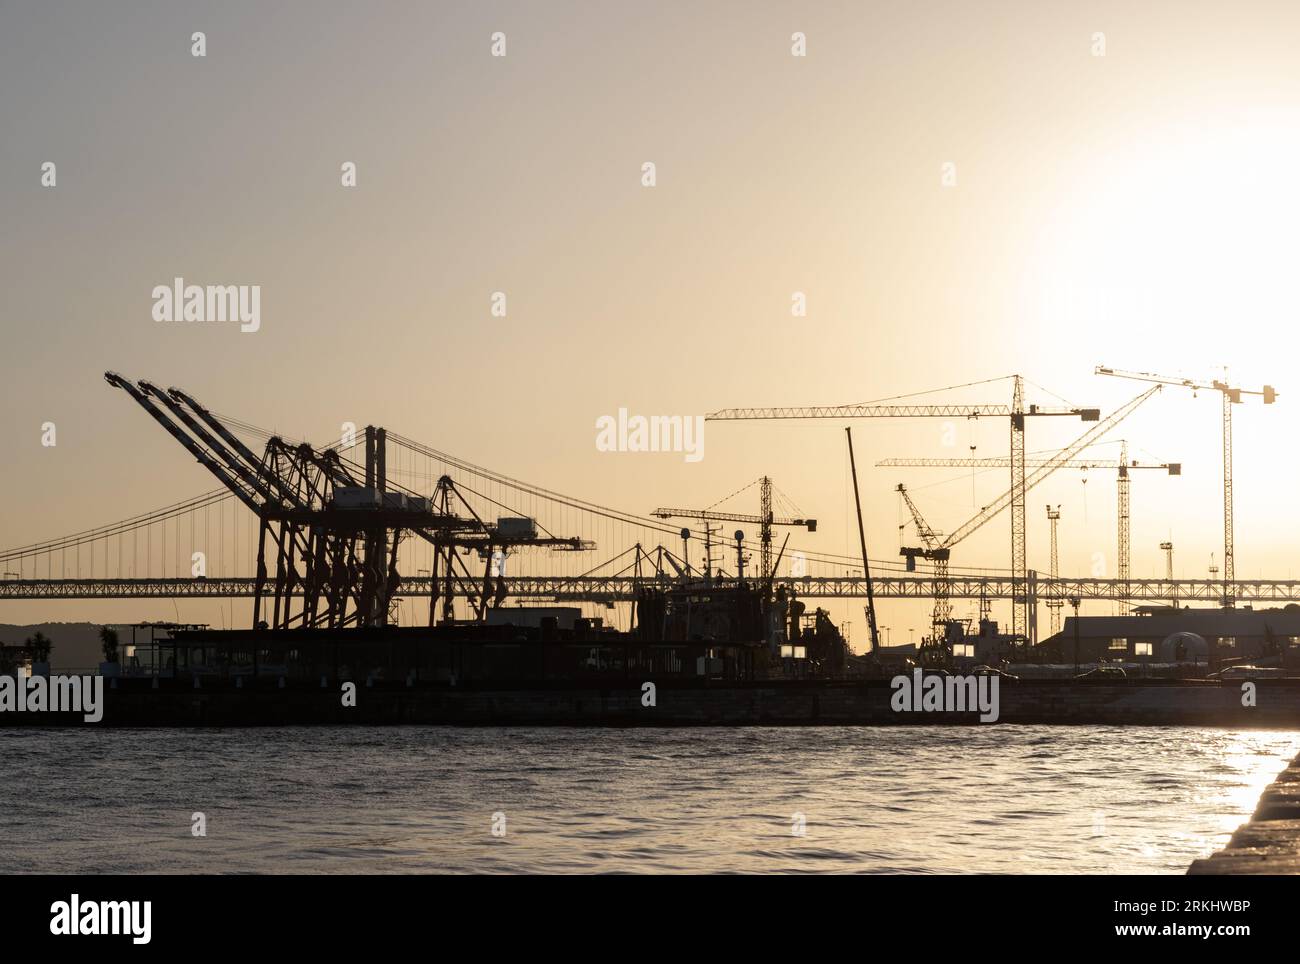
{"points": [[1268, 843], [136, 702]]}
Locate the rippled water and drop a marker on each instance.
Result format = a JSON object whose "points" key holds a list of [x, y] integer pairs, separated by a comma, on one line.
{"points": [[899, 799]]}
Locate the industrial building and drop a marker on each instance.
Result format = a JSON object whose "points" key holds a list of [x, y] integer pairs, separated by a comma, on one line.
{"points": [[1164, 634]]}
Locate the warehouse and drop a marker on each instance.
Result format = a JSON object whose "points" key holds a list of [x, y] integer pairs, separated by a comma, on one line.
{"points": [[1167, 635]]}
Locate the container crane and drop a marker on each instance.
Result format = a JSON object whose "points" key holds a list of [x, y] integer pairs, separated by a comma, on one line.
{"points": [[1231, 395], [331, 526]]}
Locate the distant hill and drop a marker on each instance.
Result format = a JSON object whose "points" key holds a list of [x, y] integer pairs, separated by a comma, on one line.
{"points": [[76, 645]]}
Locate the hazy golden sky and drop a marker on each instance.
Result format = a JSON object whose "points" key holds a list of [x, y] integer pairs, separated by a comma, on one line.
{"points": [[1134, 209]]}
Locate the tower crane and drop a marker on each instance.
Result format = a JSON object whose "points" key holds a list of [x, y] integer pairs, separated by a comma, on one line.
{"points": [[1168, 548], [937, 554], [1123, 464], [1016, 413], [764, 520], [1231, 395], [936, 547], [1054, 601]]}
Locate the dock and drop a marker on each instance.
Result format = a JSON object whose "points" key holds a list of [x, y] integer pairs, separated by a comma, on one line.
{"points": [[1269, 843], [135, 702]]}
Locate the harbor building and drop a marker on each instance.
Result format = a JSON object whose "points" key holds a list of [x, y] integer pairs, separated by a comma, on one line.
{"points": [[1163, 634]]}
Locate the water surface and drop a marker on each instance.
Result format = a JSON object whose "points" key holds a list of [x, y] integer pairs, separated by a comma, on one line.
{"points": [[414, 799]]}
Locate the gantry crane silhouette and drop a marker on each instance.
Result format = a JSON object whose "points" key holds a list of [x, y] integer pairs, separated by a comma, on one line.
{"points": [[333, 526]]}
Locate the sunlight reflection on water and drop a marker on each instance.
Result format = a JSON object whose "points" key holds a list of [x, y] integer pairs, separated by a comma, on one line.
{"points": [[410, 799]]}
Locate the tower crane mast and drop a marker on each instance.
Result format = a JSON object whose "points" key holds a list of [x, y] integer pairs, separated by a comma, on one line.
{"points": [[1168, 547], [1054, 601]]}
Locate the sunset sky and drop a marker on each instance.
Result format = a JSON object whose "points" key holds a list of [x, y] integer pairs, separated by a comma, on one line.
{"points": [[1135, 209]]}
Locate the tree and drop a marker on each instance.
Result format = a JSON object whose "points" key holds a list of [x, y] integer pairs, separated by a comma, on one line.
{"points": [[39, 646], [108, 641]]}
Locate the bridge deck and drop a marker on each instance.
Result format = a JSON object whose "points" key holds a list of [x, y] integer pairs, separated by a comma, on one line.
{"points": [[622, 588]]}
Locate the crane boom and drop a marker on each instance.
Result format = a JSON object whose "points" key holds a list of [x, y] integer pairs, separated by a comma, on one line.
{"points": [[1001, 462], [938, 556], [249, 495], [895, 411], [235, 464], [1050, 465], [703, 514], [923, 529], [862, 539], [1268, 392]]}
